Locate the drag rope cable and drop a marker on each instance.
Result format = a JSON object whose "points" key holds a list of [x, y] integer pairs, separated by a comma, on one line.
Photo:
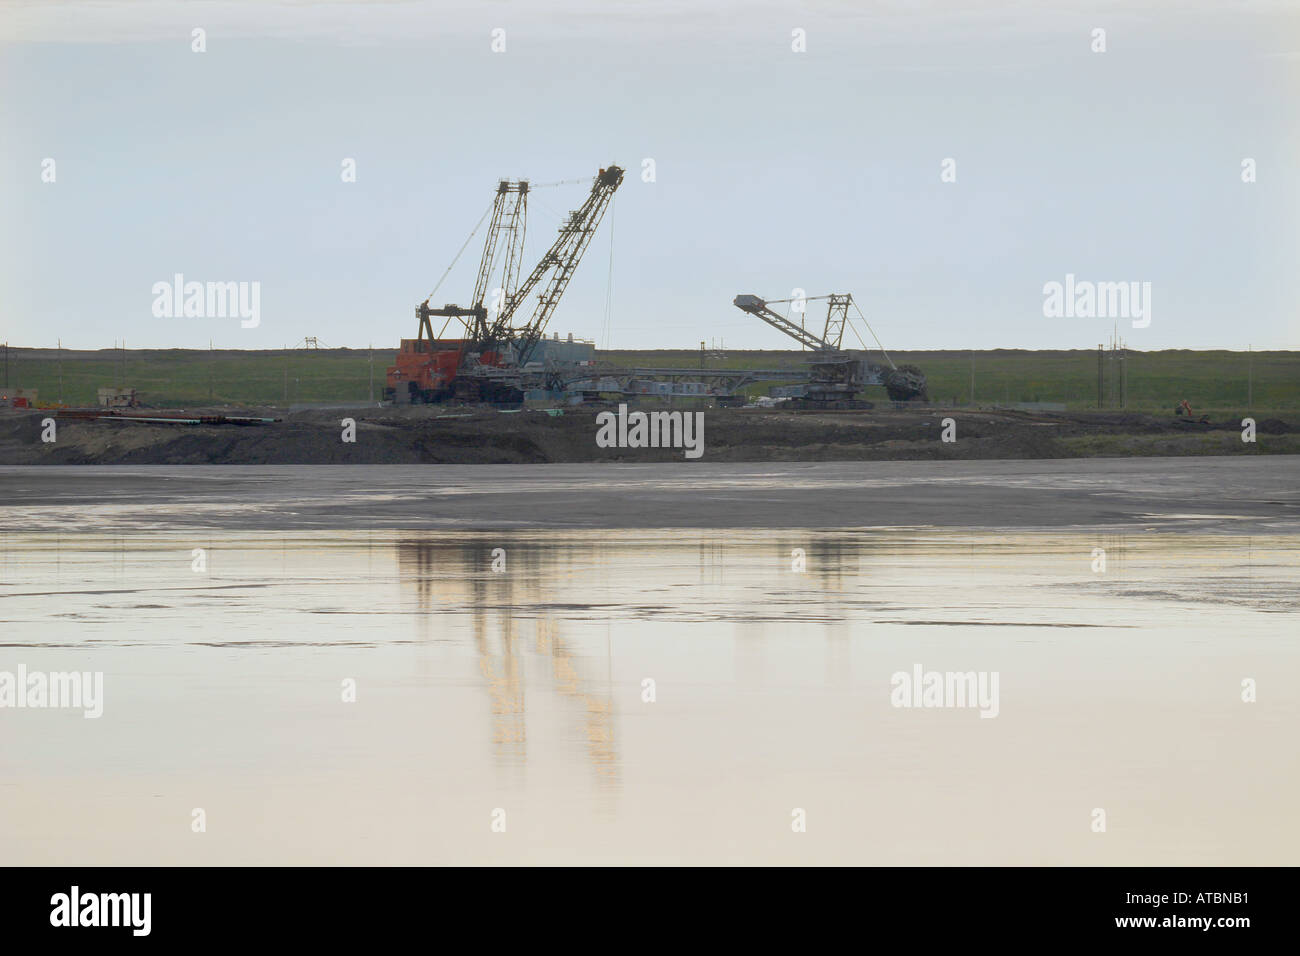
{"points": [[560, 217], [609, 279], [468, 240], [873, 335]]}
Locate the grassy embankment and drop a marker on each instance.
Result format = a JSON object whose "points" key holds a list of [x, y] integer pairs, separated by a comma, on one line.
{"points": [[1211, 381]]}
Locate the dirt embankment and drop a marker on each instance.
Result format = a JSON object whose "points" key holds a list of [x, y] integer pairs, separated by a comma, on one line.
{"points": [[477, 436]]}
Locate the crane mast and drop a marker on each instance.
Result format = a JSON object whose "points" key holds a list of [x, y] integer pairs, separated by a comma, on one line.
{"points": [[509, 216], [559, 263]]}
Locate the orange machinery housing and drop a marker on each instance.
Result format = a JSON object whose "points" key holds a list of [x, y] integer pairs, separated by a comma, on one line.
{"points": [[426, 370]]}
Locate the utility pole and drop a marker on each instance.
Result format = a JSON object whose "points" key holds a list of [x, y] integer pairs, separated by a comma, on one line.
{"points": [[1112, 397], [1117, 375], [1123, 367], [1100, 354]]}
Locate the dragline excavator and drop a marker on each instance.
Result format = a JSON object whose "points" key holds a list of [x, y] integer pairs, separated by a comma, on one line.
{"points": [[488, 363], [836, 375]]}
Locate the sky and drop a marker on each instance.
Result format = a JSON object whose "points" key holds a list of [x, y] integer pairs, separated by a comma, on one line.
{"points": [[773, 169]]}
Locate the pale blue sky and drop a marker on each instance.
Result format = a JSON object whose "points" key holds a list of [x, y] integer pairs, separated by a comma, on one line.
{"points": [[775, 169]]}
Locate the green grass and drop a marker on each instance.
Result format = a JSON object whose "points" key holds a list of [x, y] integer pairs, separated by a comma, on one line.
{"points": [[1210, 381], [181, 377]]}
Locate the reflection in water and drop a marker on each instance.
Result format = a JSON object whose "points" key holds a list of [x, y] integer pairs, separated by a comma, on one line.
{"points": [[509, 671], [500, 581]]}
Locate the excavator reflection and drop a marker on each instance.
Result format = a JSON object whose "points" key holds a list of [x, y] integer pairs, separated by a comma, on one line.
{"points": [[452, 576]]}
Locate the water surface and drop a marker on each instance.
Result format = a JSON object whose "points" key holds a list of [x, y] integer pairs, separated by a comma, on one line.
{"points": [[523, 690]]}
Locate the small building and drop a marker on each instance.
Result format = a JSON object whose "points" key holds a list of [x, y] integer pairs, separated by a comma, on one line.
{"points": [[118, 398], [568, 350]]}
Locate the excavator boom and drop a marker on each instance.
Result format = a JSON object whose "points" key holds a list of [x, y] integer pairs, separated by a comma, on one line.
{"points": [[756, 306]]}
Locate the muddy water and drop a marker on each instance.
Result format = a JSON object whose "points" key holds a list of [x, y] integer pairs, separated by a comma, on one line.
{"points": [[661, 697]]}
